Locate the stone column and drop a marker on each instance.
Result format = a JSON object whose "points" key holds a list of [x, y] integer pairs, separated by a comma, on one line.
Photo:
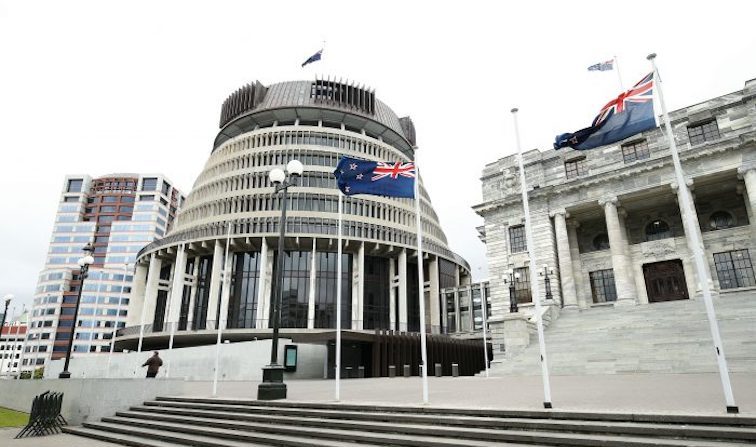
{"points": [[263, 295], [748, 174], [696, 227], [577, 265], [150, 295], [137, 295], [226, 290], [177, 288], [193, 293], [569, 294], [392, 295], [215, 283], [435, 296], [313, 285], [402, 290], [623, 280], [358, 299]]}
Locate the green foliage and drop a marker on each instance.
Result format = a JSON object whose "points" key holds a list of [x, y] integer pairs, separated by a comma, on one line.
{"points": [[39, 373], [25, 375]]}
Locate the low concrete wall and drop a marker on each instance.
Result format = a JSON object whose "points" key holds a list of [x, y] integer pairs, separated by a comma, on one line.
{"points": [[88, 399], [238, 361]]}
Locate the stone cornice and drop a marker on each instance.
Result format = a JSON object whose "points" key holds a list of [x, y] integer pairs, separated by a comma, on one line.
{"points": [[741, 141]]}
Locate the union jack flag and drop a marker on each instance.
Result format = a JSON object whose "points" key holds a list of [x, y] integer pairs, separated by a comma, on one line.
{"points": [[393, 170], [640, 93], [630, 113]]}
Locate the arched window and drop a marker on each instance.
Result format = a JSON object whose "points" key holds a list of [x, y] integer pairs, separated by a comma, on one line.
{"points": [[657, 229], [720, 220], [601, 242]]}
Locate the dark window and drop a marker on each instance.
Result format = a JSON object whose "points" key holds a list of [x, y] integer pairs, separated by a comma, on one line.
{"points": [[447, 274], [413, 299], [70, 199], [451, 313], [601, 242], [636, 150], [522, 285], [107, 209], [242, 306], [74, 185], [602, 286], [575, 168], [657, 229], [734, 269], [325, 295], [517, 240], [166, 188], [296, 285], [703, 132], [721, 220], [146, 198], [149, 184], [377, 283], [160, 306], [203, 293]]}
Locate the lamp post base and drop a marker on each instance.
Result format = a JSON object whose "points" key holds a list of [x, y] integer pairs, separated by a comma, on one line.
{"points": [[64, 375], [272, 386]]}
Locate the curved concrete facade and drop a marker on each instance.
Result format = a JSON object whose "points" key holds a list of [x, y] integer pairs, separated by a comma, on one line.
{"points": [[179, 287]]}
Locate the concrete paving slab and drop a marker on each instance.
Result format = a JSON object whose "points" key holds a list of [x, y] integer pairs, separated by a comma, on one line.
{"points": [[60, 440]]}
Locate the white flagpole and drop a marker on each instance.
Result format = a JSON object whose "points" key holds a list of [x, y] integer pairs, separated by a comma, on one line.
{"points": [[338, 303], [115, 323], [484, 306], [696, 246], [619, 75], [225, 284], [533, 274], [421, 282]]}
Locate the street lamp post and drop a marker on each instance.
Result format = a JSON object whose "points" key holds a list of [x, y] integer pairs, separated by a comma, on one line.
{"points": [[547, 280], [84, 264], [273, 386], [8, 299], [513, 277]]}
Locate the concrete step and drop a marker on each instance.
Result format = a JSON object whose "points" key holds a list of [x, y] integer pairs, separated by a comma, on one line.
{"points": [[406, 423], [119, 438]]}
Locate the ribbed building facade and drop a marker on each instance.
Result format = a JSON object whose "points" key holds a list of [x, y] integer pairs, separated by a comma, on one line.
{"points": [[179, 286], [119, 214]]}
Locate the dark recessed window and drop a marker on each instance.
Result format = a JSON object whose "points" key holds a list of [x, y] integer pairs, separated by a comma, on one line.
{"points": [[74, 185], [166, 188], [734, 269], [634, 151], [107, 209], [657, 229], [602, 286], [522, 285], [700, 133], [721, 220], [70, 199], [575, 168], [109, 199], [517, 241], [146, 198], [149, 184], [601, 242]]}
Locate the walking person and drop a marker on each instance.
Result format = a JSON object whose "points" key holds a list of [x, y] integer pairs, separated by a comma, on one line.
{"points": [[153, 365]]}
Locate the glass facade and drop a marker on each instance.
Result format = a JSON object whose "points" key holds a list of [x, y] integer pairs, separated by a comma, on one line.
{"points": [[325, 294], [242, 306], [377, 294], [199, 320], [296, 286]]}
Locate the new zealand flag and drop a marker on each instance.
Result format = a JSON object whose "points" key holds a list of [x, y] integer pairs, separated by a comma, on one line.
{"points": [[391, 179], [632, 112]]}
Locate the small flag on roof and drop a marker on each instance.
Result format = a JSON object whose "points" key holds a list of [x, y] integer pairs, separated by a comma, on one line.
{"points": [[315, 57], [602, 66]]}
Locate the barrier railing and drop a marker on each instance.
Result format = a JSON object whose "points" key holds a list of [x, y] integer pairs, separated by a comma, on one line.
{"points": [[45, 417]]}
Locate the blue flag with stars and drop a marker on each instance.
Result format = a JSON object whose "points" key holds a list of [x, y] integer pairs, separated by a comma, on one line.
{"points": [[390, 179]]}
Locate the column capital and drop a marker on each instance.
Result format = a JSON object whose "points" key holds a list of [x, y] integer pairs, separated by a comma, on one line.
{"points": [[574, 223], [603, 201], [746, 168], [561, 211], [689, 182]]}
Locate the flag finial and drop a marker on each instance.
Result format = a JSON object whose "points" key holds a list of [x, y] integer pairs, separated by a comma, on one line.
{"points": [[651, 56], [515, 110]]}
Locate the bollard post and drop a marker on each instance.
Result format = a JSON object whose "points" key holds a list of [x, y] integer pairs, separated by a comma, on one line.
{"points": [[439, 370], [360, 372], [455, 369], [407, 371], [392, 370]]}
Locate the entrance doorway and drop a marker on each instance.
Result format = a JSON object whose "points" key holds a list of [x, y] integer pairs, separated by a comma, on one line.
{"points": [[665, 281]]}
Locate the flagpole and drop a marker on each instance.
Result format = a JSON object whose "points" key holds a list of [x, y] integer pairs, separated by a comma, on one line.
{"points": [[421, 282], [339, 280], [484, 307], [225, 284], [619, 75], [696, 246], [533, 274]]}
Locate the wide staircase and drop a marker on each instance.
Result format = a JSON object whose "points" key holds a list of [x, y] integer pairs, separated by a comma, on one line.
{"points": [[171, 422], [668, 337]]}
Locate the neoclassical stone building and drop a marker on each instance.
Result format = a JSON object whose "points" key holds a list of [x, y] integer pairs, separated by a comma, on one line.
{"points": [[607, 221], [179, 293]]}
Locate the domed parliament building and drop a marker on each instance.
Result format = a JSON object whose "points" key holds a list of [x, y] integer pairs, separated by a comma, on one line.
{"points": [[179, 288]]}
